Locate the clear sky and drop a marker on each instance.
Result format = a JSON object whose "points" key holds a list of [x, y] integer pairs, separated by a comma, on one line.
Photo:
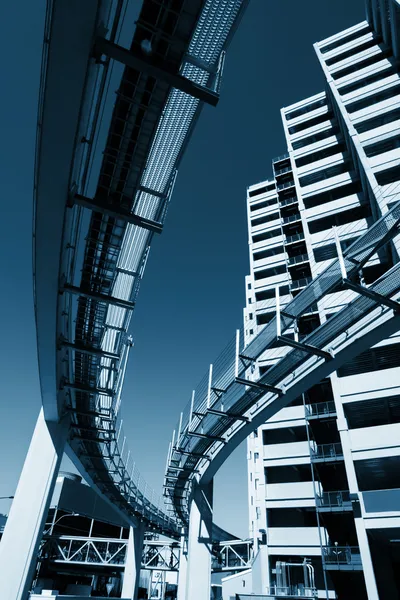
{"points": [[192, 295]]}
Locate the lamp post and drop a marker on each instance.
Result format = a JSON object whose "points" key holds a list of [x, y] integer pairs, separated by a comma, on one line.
{"points": [[72, 514]]}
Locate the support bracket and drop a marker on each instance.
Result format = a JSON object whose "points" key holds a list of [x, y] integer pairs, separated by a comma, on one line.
{"points": [[368, 293], [160, 70], [205, 436], [116, 212], [307, 348], [261, 386], [98, 297]]}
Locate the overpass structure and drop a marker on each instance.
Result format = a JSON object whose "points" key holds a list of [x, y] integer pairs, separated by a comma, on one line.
{"points": [[95, 217], [92, 238]]}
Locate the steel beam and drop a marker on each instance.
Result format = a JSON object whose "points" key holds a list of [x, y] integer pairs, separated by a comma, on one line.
{"points": [[80, 387], [116, 213], [205, 436], [262, 386], [72, 289], [368, 293], [89, 350], [140, 62], [221, 413], [307, 348]]}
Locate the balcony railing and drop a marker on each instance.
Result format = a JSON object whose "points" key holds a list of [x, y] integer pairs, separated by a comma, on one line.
{"points": [[283, 186], [339, 500], [300, 283], [320, 410], [290, 591], [342, 557], [300, 258], [294, 238], [288, 201], [281, 157], [327, 452], [291, 219], [282, 170]]}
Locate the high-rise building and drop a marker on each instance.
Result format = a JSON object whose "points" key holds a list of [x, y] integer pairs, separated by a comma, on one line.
{"points": [[324, 472]]}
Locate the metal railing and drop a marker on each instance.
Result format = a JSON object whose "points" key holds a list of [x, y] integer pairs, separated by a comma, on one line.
{"points": [[320, 409], [281, 157], [283, 186], [337, 499], [339, 556], [288, 201], [282, 170], [291, 219], [294, 238], [292, 591], [300, 283], [327, 452], [300, 258]]}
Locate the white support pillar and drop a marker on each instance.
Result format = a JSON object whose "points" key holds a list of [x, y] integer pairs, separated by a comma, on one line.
{"points": [[133, 563], [23, 532], [199, 544], [182, 573]]}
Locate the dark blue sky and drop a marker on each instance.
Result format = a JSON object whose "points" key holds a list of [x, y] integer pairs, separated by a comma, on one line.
{"points": [[192, 295]]}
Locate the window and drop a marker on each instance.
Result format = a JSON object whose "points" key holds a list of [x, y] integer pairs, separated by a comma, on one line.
{"points": [[378, 121], [251, 331], [382, 147], [262, 190], [265, 219], [388, 176], [316, 137], [267, 294], [340, 218], [255, 433], [320, 155], [324, 174], [345, 40], [264, 204], [266, 253], [256, 456], [249, 286], [311, 123], [269, 272], [364, 81], [256, 482], [266, 235], [351, 52], [371, 60], [251, 316], [335, 194], [375, 359], [373, 98], [258, 513], [305, 109], [329, 250], [249, 300]]}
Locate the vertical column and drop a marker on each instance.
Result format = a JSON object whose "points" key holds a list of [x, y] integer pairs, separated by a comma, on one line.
{"points": [[182, 574], [200, 543], [22, 535], [133, 562]]}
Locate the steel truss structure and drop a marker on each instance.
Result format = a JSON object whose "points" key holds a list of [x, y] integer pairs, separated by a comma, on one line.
{"points": [[173, 65], [232, 555], [227, 406]]}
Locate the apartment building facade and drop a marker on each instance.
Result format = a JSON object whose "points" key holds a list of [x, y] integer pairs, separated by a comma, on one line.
{"points": [[324, 473]]}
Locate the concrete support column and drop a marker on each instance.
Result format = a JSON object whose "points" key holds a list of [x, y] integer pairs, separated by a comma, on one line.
{"points": [[368, 567], [200, 543], [133, 562], [23, 532], [182, 574]]}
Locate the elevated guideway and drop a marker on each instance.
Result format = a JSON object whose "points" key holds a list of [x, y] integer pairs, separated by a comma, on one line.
{"points": [[93, 231], [231, 401]]}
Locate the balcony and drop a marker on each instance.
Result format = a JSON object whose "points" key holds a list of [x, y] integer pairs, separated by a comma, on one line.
{"points": [[334, 501], [297, 237], [321, 410], [288, 201], [296, 260], [297, 591], [282, 170], [327, 453], [291, 219], [284, 186], [300, 283], [281, 157], [342, 558]]}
